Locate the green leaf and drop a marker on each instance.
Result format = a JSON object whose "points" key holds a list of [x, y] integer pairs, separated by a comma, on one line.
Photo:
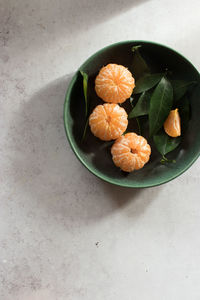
{"points": [[165, 143], [139, 66], [184, 111], [142, 106], [146, 82], [85, 130], [85, 91], [160, 105], [180, 87], [85, 85]]}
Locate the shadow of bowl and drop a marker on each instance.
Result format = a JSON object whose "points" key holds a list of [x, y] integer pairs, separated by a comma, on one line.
{"points": [[55, 185]]}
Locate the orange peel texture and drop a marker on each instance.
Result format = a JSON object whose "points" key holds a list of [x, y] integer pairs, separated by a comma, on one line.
{"points": [[108, 121], [114, 83], [130, 152]]}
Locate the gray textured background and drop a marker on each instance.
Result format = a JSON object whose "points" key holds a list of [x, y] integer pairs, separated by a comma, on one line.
{"points": [[64, 234]]}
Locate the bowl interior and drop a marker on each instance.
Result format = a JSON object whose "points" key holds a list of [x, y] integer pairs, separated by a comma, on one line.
{"points": [[95, 154]]}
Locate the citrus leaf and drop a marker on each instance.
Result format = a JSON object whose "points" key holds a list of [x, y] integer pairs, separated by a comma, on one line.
{"points": [[180, 87], [85, 85], [160, 105], [165, 143], [85, 92], [146, 82], [85, 130], [139, 65], [142, 106]]}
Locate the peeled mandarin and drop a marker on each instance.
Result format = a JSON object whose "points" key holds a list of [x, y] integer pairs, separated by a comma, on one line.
{"points": [[130, 152], [172, 124], [108, 121], [114, 83]]}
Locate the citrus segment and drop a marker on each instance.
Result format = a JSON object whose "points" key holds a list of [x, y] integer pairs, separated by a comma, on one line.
{"points": [[172, 124], [108, 121], [130, 152], [114, 83]]}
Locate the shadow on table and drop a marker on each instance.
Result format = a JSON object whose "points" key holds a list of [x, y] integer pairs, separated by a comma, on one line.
{"points": [[61, 18], [47, 171]]}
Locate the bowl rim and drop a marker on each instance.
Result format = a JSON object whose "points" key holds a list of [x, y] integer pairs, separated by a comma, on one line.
{"points": [[66, 106]]}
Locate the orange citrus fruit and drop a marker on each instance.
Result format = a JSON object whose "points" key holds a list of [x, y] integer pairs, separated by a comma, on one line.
{"points": [[114, 83], [172, 124], [130, 152], [108, 121]]}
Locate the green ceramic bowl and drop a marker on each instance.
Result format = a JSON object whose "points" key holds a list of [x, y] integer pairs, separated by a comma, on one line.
{"points": [[95, 154]]}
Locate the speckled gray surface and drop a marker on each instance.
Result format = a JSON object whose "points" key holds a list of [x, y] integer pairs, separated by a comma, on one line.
{"points": [[64, 234]]}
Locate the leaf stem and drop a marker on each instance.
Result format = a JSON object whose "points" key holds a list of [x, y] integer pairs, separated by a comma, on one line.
{"points": [[166, 160], [85, 130]]}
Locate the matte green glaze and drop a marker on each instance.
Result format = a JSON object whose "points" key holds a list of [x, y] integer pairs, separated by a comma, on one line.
{"points": [[95, 154]]}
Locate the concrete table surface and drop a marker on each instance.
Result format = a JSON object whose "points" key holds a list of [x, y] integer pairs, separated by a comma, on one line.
{"points": [[64, 234]]}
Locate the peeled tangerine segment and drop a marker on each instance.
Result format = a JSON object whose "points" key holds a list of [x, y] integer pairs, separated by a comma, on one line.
{"points": [[114, 83], [172, 124], [108, 121], [130, 152]]}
